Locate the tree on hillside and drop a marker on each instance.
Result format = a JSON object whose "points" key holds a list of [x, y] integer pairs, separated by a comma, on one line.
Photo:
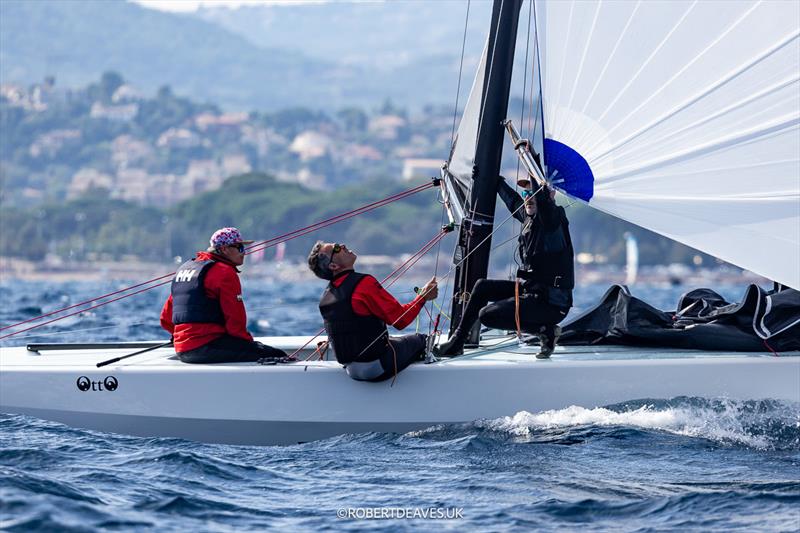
{"points": [[105, 89], [353, 119], [166, 111], [294, 120]]}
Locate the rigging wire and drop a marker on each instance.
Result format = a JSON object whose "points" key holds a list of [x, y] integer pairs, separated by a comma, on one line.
{"points": [[433, 325], [396, 274], [71, 331], [253, 248], [485, 95], [512, 254], [444, 295], [88, 301], [496, 228], [262, 245], [509, 217], [436, 265], [537, 68], [83, 310], [460, 70]]}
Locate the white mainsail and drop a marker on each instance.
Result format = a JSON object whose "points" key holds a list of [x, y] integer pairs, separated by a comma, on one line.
{"points": [[688, 114]]}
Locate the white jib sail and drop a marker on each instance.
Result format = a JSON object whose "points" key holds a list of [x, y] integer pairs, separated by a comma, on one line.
{"points": [[688, 113], [462, 157]]}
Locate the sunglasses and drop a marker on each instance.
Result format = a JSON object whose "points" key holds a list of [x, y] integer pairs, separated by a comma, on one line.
{"points": [[526, 193], [336, 249], [239, 247]]}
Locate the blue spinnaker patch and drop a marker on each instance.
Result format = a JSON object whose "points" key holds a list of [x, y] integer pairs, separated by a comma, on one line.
{"points": [[568, 170]]}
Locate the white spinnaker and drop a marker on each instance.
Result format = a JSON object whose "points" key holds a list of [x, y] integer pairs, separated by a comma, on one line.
{"points": [[688, 113]]}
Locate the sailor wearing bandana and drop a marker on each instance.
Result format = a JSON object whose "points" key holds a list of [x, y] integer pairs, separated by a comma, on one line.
{"points": [[205, 313]]}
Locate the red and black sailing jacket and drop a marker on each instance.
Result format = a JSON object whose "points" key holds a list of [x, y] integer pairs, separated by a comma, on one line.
{"points": [[190, 315], [354, 337], [356, 311]]}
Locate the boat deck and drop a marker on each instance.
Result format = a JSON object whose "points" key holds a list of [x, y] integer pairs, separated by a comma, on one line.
{"points": [[494, 348]]}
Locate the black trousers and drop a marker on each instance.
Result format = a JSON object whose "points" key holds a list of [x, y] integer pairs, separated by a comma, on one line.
{"points": [[229, 349], [534, 312], [403, 351]]}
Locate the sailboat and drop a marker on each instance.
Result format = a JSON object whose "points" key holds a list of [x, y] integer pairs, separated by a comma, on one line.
{"points": [[683, 118]]}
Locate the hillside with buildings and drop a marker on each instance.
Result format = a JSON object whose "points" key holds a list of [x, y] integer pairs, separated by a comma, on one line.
{"points": [[160, 149]]}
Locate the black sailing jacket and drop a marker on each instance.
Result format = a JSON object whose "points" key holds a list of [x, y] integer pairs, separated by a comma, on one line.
{"points": [[354, 337], [545, 249], [190, 304]]}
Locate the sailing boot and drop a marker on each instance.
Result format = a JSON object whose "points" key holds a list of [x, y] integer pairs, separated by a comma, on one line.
{"points": [[453, 347], [548, 336]]}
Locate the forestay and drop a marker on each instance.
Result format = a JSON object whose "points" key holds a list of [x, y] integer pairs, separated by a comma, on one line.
{"points": [[688, 114]]}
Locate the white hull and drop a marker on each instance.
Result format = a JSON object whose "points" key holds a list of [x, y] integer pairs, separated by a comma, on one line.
{"points": [[251, 404]]}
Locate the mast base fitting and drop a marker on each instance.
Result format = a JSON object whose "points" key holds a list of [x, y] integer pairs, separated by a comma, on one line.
{"points": [[436, 181]]}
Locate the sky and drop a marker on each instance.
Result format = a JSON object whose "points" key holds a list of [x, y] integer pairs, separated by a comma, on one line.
{"points": [[193, 5]]}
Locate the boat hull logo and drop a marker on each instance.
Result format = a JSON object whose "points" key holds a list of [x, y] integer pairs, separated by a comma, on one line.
{"points": [[109, 383], [84, 383]]}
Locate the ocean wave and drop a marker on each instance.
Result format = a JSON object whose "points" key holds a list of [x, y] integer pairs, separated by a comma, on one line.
{"points": [[686, 510], [760, 425], [200, 507], [27, 457], [13, 478], [183, 463]]}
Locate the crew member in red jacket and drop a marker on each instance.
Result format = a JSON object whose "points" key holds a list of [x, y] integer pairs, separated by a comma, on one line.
{"points": [[356, 311], [205, 313]]}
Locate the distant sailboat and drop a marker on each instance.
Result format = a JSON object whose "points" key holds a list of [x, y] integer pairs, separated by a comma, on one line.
{"points": [[631, 259]]}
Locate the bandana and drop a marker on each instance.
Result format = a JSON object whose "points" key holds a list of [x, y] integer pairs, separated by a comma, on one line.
{"points": [[226, 237]]}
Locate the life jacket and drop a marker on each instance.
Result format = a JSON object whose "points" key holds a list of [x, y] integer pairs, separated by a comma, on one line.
{"points": [[354, 337], [547, 259], [190, 304]]}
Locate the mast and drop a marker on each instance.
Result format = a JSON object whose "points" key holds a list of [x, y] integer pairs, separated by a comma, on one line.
{"points": [[474, 240]]}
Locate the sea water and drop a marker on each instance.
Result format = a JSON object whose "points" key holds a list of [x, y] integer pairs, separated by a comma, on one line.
{"points": [[653, 464]]}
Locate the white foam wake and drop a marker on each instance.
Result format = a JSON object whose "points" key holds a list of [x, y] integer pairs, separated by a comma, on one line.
{"points": [[726, 423]]}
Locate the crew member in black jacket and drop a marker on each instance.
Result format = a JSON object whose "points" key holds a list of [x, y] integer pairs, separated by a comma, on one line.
{"points": [[546, 275]]}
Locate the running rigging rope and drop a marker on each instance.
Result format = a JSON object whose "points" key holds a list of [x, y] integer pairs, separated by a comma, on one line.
{"points": [[253, 248], [396, 274], [88, 301], [262, 245]]}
